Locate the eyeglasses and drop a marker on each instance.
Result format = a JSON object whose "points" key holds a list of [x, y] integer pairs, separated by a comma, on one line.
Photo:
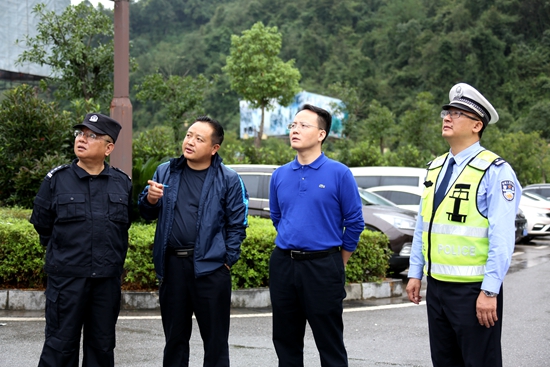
{"points": [[301, 125], [80, 133], [456, 114]]}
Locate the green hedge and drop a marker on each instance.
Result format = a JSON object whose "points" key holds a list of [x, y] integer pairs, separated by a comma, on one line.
{"points": [[22, 256]]}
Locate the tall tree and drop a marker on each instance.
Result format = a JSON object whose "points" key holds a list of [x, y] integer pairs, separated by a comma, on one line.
{"points": [[78, 46], [182, 96], [258, 74]]}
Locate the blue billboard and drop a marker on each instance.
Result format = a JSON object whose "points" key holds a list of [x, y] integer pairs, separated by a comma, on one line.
{"points": [[278, 117]]}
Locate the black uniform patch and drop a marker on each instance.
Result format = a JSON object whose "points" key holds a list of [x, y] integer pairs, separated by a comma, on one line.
{"points": [[58, 168]]}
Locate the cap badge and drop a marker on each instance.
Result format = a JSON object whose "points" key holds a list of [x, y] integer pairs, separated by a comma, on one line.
{"points": [[93, 118], [458, 92]]}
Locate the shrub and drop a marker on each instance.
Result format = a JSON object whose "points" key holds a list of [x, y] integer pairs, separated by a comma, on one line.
{"points": [[369, 262], [139, 271], [22, 256], [252, 269]]}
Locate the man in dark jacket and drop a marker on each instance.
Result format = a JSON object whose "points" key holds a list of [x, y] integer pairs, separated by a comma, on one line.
{"points": [[82, 214], [201, 207]]}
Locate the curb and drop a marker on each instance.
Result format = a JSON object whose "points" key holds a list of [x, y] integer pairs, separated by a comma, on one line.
{"points": [[14, 299]]}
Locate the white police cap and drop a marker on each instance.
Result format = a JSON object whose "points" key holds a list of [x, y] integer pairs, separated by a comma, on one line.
{"points": [[466, 97]]}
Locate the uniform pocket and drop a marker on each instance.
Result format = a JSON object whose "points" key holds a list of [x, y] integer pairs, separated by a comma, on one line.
{"points": [[118, 208], [71, 207], [52, 317]]}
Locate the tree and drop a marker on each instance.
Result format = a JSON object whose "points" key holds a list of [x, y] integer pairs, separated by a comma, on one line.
{"points": [[78, 46], [257, 73], [182, 96], [34, 138]]}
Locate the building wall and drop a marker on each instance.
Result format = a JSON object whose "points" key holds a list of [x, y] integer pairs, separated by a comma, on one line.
{"points": [[17, 21]]}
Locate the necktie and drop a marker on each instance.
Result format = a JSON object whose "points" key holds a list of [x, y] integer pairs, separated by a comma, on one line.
{"points": [[440, 193]]}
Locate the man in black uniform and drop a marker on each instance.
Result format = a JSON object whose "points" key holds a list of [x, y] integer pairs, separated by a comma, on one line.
{"points": [[82, 214]]}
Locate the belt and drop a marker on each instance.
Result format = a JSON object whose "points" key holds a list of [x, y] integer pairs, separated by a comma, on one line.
{"points": [[310, 255], [180, 252]]}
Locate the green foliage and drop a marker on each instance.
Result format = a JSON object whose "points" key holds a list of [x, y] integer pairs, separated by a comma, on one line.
{"points": [[252, 269], [139, 271], [181, 96], [369, 262], [78, 46], [527, 153], [35, 137], [257, 73], [155, 144], [21, 255], [360, 154]]}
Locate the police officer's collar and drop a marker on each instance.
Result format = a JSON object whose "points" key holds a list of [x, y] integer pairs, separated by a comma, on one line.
{"points": [[81, 173], [466, 154]]}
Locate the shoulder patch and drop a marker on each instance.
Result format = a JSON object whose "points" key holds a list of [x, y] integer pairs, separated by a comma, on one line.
{"points": [[508, 189], [499, 161], [121, 171], [57, 169]]}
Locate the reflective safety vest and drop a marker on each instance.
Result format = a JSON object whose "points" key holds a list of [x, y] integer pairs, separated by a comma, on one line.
{"points": [[455, 241]]}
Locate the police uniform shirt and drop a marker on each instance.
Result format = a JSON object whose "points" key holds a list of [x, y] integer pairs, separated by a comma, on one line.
{"points": [[83, 220], [491, 203]]}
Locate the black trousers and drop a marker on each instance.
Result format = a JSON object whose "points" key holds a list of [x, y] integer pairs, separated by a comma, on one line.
{"points": [[311, 290], [209, 298], [80, 305], [456, 337]]}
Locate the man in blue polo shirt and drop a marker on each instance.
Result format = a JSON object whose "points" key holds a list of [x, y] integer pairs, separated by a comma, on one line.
{"points": [[316, 209]]}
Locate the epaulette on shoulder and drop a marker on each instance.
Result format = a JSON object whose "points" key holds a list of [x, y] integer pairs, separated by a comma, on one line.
{"points": [[121, 171], [499, 161], [57, 169]]}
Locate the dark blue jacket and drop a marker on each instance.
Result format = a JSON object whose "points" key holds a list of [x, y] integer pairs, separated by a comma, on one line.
{"points": [[221, 220]]}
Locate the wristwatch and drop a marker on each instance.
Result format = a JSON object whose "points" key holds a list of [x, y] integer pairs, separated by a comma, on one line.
{"points": [[489, 294]]}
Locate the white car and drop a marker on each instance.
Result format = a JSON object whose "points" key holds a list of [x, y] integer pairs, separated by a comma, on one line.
{"points": [[406, 197], [536, 210]]}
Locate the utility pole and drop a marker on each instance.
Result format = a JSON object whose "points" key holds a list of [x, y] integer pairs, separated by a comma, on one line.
{"points": [[121, 107]]}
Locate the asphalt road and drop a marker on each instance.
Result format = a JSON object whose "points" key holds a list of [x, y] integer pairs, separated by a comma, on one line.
{"points": [[377, 333]]}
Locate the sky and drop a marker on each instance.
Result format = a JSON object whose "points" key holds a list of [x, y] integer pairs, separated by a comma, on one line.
{"points": [[106, 3]]}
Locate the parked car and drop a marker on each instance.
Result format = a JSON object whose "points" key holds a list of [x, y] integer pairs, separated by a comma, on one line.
{"points": [[542, 189], [379, 215], [406, 197], [373, 176], [536, 210], [521, 226]]}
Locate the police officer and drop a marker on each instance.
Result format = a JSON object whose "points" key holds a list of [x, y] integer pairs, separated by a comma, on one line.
{"points": [[82, 215], [464, 237]]}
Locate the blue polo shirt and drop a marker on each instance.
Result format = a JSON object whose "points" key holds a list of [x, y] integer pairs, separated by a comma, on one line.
{"points": [[315, 207]]}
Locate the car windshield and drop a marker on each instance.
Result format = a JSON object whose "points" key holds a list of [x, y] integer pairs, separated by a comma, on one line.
{"points": [[533, 196], [370, 198]]}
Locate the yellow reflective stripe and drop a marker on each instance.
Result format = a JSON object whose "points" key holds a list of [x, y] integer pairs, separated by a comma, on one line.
{"points": [[456, 270], [451, 229]]}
